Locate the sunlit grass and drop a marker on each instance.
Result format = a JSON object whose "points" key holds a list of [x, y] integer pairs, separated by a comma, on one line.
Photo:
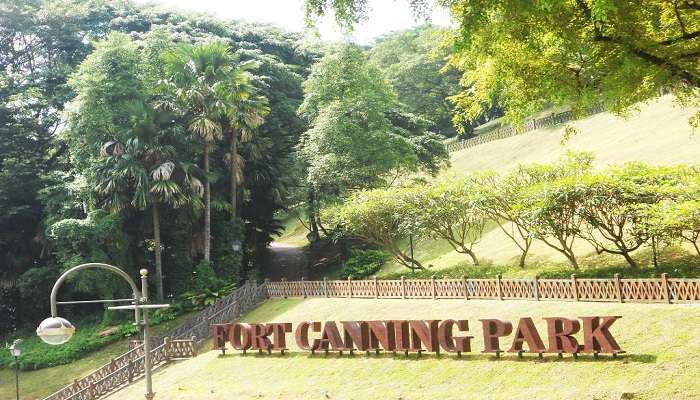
{"points": [[662, 353]]}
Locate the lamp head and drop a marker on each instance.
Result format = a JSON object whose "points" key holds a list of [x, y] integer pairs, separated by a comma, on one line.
{"points": [[16, 348], [55, 330]]}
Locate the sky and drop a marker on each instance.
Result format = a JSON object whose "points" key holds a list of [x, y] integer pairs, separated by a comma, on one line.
{"points": [[384, 15]]}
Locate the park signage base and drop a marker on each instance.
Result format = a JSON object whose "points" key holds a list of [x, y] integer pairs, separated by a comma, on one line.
{"points": [[418, 336]]}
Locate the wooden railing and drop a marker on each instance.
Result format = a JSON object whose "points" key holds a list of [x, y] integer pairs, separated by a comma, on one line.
{"points": [[123, 370], [616, 289], [178, 343], [508, 131]]}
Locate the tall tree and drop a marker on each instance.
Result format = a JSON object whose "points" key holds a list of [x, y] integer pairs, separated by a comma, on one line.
{"points": [[199, 79], [145, 171], [574, 52]]}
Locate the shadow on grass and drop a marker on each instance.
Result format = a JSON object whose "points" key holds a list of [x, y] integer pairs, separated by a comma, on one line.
{"points": [[506, 357]]}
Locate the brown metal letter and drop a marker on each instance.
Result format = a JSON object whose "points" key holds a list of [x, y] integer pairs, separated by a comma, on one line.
{"points": [[278, 332], [493, 329], [331, 336], [239, 335], [381, 335], [527, 333], [560, 333], [402, 341], [596, 336], [301, 335], [219, 332], [451, 344], [356, 335], [424, 333]]}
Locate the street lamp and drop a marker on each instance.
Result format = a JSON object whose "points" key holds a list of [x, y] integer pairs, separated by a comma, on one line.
{"points": [[16, 351], [236, 245], [56, 330]]}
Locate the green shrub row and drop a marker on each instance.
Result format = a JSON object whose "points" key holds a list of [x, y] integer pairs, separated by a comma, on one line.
{"points": [[362, 264]]}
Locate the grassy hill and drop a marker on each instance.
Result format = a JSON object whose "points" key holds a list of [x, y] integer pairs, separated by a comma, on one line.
{"points": [[662, 351], [658, 133]]}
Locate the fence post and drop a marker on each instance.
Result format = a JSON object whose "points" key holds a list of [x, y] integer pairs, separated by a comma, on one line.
{"points": [[91, 390], [618, 287], [267, 285], [574, 287], [325, 286], [500, 288], [194, 346], [130, 376], [665, 290], [403, 287], [537, 288], [376, 288], [303, 287], [466, 288], [350, 286], [284, 287], [432, 282], [166, 347]]}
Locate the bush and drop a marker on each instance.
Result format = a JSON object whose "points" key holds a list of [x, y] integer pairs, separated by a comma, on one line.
{"points": [[363, 263]]}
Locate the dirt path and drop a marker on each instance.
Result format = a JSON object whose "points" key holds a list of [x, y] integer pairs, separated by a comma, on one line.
{"points": [[285, 261]]}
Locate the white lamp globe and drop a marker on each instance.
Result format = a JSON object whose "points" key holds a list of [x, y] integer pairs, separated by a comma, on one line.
{"points": [[55, 330]]}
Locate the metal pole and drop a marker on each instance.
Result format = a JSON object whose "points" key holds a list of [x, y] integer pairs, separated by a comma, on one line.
{"points": [[17, 376], [410, 241], [146, 337]]}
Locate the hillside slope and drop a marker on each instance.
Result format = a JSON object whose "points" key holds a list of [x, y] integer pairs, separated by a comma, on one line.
{"points": [[660, 354], [659, 133]]}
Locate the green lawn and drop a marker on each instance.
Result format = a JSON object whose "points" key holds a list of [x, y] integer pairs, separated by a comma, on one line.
{"points": [[660, 339], [41, 383]]}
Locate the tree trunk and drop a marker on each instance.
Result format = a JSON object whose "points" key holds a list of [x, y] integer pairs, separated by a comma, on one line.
{"points": [[470, 254], [524, 254], [313, 221], [207, 206], [159, 261], [571, 257], [234, 181], [629, 259]]}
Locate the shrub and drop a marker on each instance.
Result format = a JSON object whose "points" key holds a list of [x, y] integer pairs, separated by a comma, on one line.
{"points": [[363, 263]]}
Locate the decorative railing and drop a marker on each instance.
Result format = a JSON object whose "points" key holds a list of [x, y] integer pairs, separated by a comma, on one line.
{"points": [[178, 343], [123, 370], [616, 289], [508, 131]]}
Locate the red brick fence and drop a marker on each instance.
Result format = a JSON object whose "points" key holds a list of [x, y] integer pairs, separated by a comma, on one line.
{"points": [[654, 290]]}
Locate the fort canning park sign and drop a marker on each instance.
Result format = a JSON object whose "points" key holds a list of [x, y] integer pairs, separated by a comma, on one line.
{"points": [[590, 335]]}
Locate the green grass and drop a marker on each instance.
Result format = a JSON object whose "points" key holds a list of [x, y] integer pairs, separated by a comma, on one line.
{"points": [[41, 383], [661, 361], [658, 134], [294, 233]]}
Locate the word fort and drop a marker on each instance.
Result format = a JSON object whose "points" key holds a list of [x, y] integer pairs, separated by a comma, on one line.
{"points": [[564, 335]]}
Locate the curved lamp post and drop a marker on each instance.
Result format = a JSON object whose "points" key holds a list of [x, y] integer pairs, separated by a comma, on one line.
{"points": [[56, 330], [16, 351]]}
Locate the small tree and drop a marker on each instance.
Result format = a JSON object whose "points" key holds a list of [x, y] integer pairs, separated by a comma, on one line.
{"points": [[614, 204], [676, 222], [554, 215], [449, 211], [500, 196], [378, 217]]}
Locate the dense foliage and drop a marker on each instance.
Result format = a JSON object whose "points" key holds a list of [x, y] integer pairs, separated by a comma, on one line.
{"points": [[617, 210], [578, 53], [362, 264], [359, 137], [101, 156]]}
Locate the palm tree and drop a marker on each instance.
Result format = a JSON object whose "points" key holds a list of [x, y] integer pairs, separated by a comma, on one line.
{"points": [[143, 171], [245, 116], [206, 82]]}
